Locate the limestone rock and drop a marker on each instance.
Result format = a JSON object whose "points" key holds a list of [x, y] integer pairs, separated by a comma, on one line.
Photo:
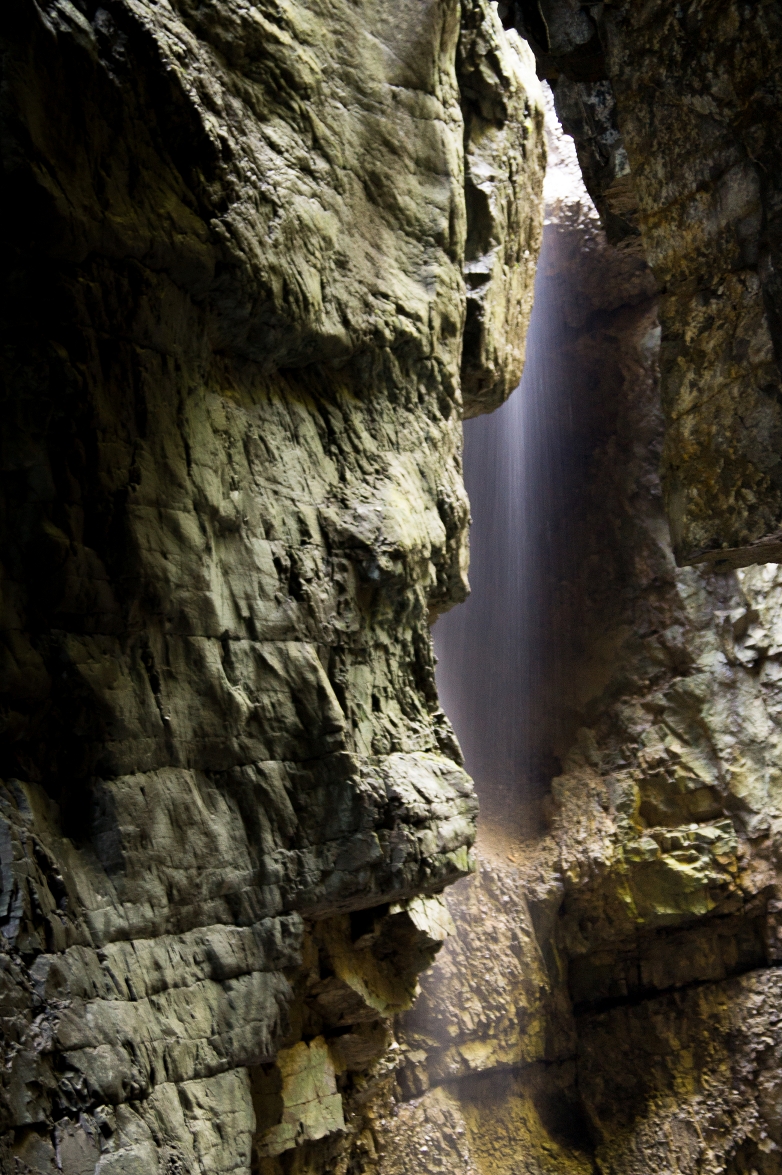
{"points": [[700, 1080], [486, 999], [676, 113], [504, 164], [232, 503], [609, 1000], [709, 211], [309, 1105], [480, 1128]]}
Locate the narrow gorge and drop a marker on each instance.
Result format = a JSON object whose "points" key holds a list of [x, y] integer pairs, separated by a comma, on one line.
{"points": [[307, 865]]}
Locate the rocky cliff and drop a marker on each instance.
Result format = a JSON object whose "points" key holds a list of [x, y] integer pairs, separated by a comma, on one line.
{"points": [[232, 505], [610, 1000], [262, 258], [676, 113]]}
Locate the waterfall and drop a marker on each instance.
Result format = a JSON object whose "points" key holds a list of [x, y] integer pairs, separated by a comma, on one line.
{"points": [[501, 654]]}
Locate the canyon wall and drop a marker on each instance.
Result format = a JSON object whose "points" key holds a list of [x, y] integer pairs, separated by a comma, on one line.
{"points": [[610, 1001], [676, 110], [262, 259], [232, 505]]}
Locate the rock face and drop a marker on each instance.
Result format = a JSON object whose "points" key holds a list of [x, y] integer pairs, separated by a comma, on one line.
{"points": [[232, 503], [265, 256], [676, 111], [610, 1001], [503, 240]]}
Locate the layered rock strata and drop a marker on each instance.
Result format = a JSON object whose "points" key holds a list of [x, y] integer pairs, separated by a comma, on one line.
{"points": [[676, 110], [232, 503], [264, 258], [611, 999]]}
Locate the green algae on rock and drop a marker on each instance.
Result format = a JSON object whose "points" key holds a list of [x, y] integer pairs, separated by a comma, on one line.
{"points": [[232, 503]]}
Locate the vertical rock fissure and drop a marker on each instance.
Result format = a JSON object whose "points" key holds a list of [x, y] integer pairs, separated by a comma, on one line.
{"points": [[263, 259], [608, 1001]]}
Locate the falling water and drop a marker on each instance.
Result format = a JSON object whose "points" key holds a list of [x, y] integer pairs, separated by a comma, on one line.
{"points": [[500, 654]]}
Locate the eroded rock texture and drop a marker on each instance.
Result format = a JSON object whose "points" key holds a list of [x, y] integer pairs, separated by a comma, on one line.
{"points": [[264, 258], [232, 503], [610, 1001], [676, 111]]}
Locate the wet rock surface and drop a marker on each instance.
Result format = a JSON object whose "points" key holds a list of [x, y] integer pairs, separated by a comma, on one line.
{"points": [[232, 503], [619, 1012], [265, 258], [503, 240], [676, 114]]}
